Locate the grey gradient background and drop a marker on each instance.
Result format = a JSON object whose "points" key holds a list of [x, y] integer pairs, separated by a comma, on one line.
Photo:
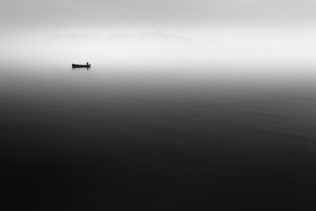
{"points": [[206, 105]]}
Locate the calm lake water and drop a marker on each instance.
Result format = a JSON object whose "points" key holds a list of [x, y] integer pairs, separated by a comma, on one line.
{"points": [[157, 139]]}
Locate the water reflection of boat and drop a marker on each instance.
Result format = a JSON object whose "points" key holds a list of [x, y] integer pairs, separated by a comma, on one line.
{"points": [[81, 65]]}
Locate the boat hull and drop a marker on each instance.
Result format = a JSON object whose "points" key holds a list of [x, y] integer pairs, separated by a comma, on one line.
{"points": [[81, 66]]}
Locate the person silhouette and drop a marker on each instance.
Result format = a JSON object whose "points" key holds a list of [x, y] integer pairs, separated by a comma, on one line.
{"points": [[87, 63]]}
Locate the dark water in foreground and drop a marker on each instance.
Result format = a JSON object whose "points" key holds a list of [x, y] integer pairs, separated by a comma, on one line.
{"points": [[77, 140]]}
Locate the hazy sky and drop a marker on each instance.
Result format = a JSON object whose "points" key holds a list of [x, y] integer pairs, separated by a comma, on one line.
{"points": [[230, 28], [101, 13]]}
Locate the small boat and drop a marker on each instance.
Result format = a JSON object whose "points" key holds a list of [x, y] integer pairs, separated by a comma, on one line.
{"points": [[81, 65]]}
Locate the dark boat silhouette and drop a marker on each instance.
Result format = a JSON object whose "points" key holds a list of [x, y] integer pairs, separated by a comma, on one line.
{"points": [[81, 65]]}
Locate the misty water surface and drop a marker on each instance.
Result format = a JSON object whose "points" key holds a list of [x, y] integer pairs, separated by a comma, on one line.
{"points": [[114, 137]]}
